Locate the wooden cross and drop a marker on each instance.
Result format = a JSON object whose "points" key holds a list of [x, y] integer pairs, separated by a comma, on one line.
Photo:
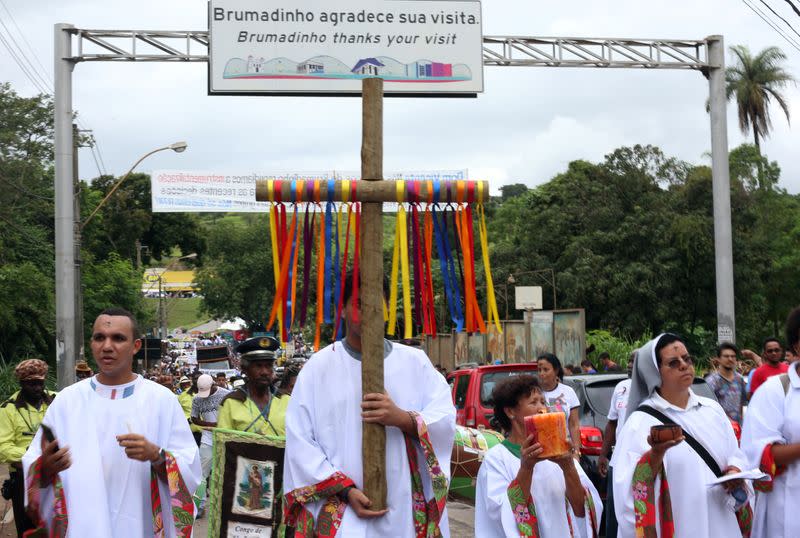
{"points": [[373, 447], [372, 193]]}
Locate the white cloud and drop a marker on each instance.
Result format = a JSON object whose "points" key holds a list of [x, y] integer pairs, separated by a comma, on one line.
{"points": [[526, 127]]}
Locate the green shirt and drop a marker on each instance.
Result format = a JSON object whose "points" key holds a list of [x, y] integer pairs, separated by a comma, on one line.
{"points": [[237, 415]]}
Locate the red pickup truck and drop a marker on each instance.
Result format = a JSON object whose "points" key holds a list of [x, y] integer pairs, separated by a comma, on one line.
{"points": [[472, 390]]}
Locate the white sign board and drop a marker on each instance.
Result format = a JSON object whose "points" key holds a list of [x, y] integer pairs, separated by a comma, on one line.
{"points": [[248, 530], [315, 47], [183, 191], [528, 297]]}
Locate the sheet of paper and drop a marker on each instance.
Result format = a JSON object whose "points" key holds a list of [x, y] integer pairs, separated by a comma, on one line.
{"points": [[753, 474]]}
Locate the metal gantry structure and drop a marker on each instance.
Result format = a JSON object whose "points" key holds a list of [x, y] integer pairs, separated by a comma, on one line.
{"points": [[73, 45]]}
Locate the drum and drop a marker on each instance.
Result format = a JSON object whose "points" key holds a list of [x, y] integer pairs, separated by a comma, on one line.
{"points": [[469, 448]]}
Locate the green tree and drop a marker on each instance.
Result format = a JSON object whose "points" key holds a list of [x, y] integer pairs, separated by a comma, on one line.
{"points": [[755, 81], [510, 191], [109, 231], [236, 279]]}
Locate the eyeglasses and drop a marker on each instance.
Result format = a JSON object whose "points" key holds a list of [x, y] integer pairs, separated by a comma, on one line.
{"points": [[676, 362]]}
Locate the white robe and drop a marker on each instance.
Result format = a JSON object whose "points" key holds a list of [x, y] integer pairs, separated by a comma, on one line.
{"points": [[698, 511], [107, 493], [774, 417], [323, 432], [494, 515]]}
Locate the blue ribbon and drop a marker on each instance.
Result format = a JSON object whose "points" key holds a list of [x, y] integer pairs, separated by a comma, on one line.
{"points": [[451, 269], [448, 285], [327, 309]]}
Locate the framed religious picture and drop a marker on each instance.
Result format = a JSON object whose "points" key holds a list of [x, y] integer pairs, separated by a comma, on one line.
{"points": [[246, 485]]}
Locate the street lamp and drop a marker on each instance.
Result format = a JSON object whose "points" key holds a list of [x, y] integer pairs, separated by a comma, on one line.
{"points": [[510, 280], [552, 279], [69, 306], [177, 147]]}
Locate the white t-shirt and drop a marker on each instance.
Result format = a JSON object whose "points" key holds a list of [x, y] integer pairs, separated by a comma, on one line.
{"points": [[619, 404], [562, 398]]}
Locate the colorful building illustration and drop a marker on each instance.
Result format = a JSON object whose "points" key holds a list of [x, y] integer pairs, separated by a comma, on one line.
{"points": [[368, 66]]}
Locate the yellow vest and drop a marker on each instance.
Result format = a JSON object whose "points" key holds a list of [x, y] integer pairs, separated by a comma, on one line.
{"points": [[185, 399], [237, 413], [18, 425]]}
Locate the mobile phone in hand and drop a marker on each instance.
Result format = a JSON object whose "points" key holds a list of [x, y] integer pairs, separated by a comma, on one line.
{"points": [[48, 434]]}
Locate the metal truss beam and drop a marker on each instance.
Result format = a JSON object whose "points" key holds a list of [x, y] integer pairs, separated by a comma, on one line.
{"points": [[140, 46], [595, 52], [508, 51]]}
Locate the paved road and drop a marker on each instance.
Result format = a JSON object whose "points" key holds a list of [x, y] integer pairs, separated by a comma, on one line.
{"points": [[461, 521]]}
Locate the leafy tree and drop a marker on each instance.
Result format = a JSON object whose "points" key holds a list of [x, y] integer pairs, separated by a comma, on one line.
{"points": [[510, 191], [755, 81], [109, 232], [236, 279], [111, 282], [27, 254]]}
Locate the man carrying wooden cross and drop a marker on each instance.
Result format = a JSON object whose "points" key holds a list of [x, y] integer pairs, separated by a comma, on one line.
{"points": [[323, 476]]}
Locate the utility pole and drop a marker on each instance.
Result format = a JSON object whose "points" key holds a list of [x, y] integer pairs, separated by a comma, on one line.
{"points": [[64, 207], [721, 188]]}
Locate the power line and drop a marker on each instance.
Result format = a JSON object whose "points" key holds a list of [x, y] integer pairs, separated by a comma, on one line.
{"points": [[43, 83], [766, 19], [794, 7], [25, 40], [22, 66], [769, 7]]}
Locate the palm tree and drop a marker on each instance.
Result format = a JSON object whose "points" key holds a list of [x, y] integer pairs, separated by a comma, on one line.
{"points": [[756, 81]]}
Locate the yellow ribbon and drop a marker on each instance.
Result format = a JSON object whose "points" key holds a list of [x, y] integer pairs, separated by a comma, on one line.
{"points": [[491, 302], [403, 229], [276, 261], [390, 330]]}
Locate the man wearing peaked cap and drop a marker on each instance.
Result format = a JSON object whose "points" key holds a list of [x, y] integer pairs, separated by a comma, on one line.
{"points": [[255, 407], [258, 348], [20, 417]]}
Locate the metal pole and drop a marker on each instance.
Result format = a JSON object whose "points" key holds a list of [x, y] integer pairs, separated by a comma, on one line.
{"points": [[720, 174], [553, 274], [64, 208]]}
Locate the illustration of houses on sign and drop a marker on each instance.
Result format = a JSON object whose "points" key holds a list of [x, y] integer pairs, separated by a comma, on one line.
{"points": [[368, 66], [255, 65], [426, 69], [310, 66]]}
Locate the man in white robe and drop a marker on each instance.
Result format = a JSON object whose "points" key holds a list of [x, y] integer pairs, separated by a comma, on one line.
{"points": [[117, 435], [323, 465], [771, 441], [698, 511]]}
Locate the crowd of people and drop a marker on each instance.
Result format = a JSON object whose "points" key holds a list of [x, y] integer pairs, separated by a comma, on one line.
{"points": [[120, 454]]}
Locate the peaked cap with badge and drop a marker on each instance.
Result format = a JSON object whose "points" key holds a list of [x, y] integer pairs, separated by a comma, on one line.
{"points": [[259, 348]]}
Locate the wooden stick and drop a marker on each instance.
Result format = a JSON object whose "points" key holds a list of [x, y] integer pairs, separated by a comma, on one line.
{"points": [[379, 191], [373, 448]]}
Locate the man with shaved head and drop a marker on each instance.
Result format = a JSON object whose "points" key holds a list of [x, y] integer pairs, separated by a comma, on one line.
{"points": [[114, 456]]}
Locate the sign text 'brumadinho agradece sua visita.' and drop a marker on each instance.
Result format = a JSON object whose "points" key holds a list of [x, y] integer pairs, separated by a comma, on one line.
{"points": [[307, 46]]}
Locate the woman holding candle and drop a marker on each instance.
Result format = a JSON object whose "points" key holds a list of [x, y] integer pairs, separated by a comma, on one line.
{"points": [[519, 494], [661, 483], [560, 397]]}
